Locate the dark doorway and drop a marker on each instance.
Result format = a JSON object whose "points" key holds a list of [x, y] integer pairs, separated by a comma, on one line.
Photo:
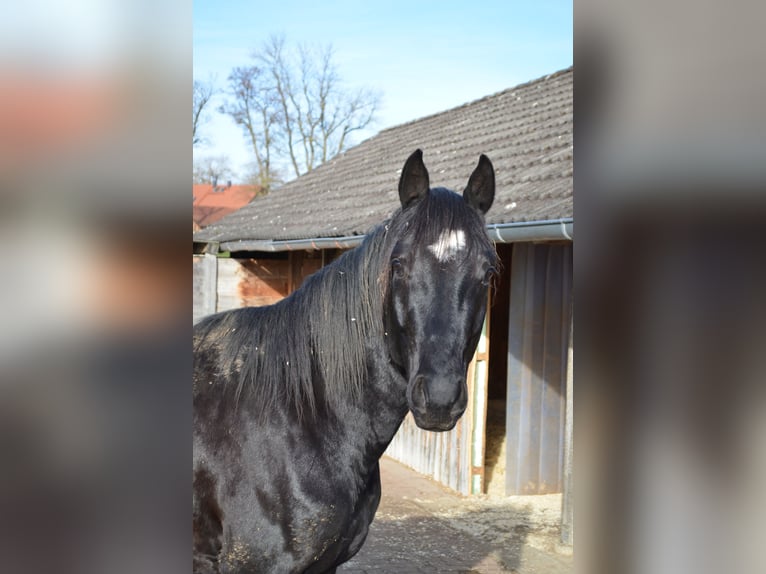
{"points": [[495, 451]]}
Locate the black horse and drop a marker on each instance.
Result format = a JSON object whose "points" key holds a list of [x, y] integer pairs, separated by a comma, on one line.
{"points": [[294, 403]]}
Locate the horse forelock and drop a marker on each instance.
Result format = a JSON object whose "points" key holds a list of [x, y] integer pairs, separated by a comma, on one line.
{"points": [[446, 227]]}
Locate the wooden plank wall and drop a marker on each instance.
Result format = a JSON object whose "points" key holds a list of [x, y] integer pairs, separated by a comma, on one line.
{"points": [[478, 375], [303, 264], [204, 277], [538, 343], [251, 282], [222, 283]]}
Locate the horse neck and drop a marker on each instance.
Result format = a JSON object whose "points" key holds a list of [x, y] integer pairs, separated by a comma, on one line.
{"points": [[370, 404], [383, 399], [367, 423], [386, 400]]}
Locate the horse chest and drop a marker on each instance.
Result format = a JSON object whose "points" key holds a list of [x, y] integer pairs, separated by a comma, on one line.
{"points": [[313, 537], [304, 513], [343, 544]]}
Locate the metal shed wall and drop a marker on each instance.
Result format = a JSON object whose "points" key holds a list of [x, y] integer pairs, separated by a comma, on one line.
{"points": [[538, 343]]}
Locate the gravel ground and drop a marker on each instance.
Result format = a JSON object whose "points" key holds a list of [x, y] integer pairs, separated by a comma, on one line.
{"points": [[423, 527]]}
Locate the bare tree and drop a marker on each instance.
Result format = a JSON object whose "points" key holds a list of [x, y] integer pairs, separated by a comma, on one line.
{"points": [[251, 175], [203, 92], [296, 100], [253, 106], [214, 170]]}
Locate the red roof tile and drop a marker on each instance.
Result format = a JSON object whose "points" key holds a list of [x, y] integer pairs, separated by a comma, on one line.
{"points": [[212, 203]]}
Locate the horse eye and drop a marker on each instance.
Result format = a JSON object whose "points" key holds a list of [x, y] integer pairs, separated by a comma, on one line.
{"points": [[490, 274], [396, 267]]}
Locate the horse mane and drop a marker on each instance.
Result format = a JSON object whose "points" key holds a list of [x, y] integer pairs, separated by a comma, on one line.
{"points": [[310, 347]]}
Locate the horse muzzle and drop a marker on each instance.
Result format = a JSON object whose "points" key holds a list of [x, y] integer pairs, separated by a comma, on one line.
{"points": [[437, 402]]}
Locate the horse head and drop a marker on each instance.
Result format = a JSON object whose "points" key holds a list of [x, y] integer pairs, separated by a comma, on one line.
{"points": [[436, 297]]}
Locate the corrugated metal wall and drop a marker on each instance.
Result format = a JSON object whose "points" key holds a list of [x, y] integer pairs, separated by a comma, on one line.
{"points": [[538, 341], [454, 458]]}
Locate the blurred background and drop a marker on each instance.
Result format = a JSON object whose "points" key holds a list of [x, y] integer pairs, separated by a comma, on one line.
{"points": [[94, 297], [670, 276]]}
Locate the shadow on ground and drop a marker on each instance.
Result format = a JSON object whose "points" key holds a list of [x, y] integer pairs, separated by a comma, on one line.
{"points": [[423, 527], [430, 544]]}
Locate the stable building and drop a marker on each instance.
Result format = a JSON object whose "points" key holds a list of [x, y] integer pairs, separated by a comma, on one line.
{"points": [[516, 435]]}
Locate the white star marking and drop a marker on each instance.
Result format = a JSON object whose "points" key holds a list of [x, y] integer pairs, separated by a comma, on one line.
{"points": [[448, 245]]}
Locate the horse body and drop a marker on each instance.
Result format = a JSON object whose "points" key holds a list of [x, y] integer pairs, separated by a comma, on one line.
{"points": [[302, 492], [295, 403]]}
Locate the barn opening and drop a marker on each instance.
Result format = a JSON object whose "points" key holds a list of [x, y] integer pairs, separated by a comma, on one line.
{"points": [[495, 443]]}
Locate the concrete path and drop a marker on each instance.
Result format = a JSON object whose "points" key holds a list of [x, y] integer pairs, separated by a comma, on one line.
{"points": [[423, 527]]}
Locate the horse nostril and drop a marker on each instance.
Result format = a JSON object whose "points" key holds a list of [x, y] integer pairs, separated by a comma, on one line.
{"points": [[462, 399]]}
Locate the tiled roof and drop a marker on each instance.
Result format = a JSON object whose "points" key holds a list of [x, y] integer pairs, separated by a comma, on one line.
{"points": [[211, 203], [526, 131]]}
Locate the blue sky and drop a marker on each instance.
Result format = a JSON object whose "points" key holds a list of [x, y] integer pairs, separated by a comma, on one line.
{"points": [[423, 57]]}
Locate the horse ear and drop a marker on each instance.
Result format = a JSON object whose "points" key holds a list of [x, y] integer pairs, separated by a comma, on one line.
{"points": [[480, 191], [413, 184]]}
